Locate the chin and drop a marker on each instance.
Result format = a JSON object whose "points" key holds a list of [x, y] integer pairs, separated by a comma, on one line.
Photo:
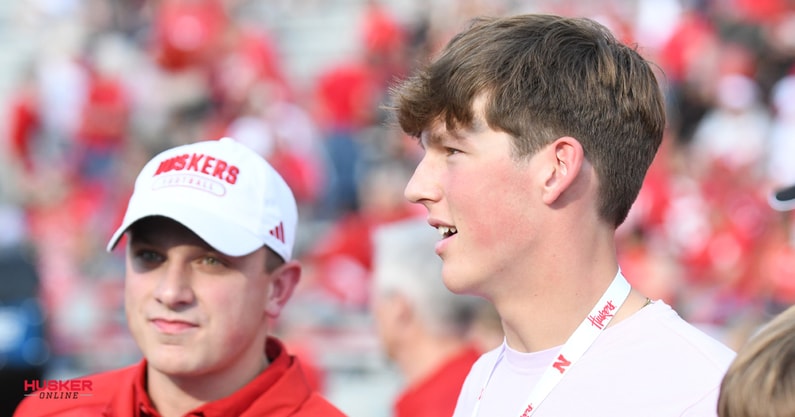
{"points": [[173, 366], [170, 358], [458, 283]]}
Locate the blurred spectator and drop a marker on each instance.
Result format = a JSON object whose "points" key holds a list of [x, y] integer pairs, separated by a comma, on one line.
{"points": [[24, 348], [423, 327], [777, 259], [347, 97], [689, 48], [342, 257], [187, 33], [246, 72], [780, 169], [103, 121], [24, 123], [62, 82], [733, 133], [285, 134]]}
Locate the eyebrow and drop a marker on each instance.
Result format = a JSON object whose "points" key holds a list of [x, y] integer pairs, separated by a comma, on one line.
{"points": [[458, 135], [432, 138]]}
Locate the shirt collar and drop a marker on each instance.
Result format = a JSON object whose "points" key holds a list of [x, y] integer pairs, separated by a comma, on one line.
{"points": [[234, 404]]}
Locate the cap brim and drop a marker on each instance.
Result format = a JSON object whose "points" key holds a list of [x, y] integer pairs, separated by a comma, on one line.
{"points": [[783, 199], [226, 237]]}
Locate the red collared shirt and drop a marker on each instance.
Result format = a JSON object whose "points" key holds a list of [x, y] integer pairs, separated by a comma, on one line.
{"points": [[436, 394], [280, 391]]}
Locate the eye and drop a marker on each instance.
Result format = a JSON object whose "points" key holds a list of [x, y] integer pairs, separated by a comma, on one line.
{"points": [[213, 261], [451, 151], [148, 256]]}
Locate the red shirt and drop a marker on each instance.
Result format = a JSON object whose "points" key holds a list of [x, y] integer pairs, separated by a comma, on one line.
{"points": [[24, 121], [280, 390], [437, 394], [105, 113], [188, 34]]}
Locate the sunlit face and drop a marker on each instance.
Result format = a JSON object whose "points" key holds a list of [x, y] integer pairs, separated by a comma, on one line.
{"points": [[482, 201], [192, 310]]}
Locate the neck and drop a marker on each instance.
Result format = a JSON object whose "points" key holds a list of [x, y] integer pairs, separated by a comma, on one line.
{"points": [[540, 310], [176, 395], [424, 355], [533, 335]]}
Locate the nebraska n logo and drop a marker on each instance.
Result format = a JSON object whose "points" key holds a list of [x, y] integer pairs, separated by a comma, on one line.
{"points": [[561, 364], [278, 232]]}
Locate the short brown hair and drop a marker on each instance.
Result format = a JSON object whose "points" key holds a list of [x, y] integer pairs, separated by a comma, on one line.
{"points": [[545, 77], [272, 260]]}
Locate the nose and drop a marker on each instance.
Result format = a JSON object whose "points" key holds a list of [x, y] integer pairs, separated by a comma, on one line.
{"points": [[174, 288], [423, 187]]}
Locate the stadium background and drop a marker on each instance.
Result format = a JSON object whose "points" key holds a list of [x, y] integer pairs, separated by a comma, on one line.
{"points": [[89, 89]]}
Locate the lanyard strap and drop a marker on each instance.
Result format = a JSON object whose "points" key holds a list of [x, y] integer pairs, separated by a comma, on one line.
{"points": [[579, 342]]}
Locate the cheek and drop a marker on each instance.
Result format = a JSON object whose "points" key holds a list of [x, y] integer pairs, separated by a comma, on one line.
{"points": [[136, 289], [496, 205], [230, 298], [235, 302], [136, 294]]}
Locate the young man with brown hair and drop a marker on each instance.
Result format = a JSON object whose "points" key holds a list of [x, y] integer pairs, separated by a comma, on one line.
{"points": [[538, 131]]}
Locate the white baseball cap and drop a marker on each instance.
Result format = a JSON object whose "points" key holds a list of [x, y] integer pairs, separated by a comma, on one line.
{"points": [[221, 190]]}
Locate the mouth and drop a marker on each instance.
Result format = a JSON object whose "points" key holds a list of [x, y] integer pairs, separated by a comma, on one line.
{"points": [[172, 326], [446, 231]]}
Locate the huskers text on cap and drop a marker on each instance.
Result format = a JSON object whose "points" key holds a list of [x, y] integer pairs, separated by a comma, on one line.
{"points": [[221, 190]]}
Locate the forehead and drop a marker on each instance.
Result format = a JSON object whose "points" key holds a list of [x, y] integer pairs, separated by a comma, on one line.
{"points": [[163, 231], [439, 131]]}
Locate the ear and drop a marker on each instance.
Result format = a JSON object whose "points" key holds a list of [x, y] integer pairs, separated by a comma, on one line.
{"points": [[283, 282], [393, 317], [402, 310], [565, 158], [396, 315]]}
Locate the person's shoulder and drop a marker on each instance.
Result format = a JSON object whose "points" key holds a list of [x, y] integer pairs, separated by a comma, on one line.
{"points": [[317, 405], [487, 359], [289, 392], [83, 396], [661, 326]]}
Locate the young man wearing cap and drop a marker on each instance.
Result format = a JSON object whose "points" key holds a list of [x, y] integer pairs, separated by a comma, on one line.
{"points": [[210, 230]]}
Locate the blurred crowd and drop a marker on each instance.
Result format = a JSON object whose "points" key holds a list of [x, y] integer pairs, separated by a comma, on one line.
{"points": [[117, 81]]}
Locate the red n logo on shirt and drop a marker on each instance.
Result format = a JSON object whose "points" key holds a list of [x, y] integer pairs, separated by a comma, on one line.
{"points": [[561, 364]]}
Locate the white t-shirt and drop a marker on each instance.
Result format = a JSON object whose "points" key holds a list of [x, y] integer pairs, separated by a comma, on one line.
{"points": [[651, 364]]}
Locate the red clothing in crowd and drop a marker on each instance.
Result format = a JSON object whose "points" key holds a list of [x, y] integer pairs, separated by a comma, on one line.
{"points": [[346, 95], [188, 34], [437, 394], [280, 390], [24, 121], [343, 257], [104, 117], [761, 11]]}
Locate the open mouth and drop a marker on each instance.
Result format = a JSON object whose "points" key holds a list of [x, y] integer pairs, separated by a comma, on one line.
{"points": [[447, 231]]}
